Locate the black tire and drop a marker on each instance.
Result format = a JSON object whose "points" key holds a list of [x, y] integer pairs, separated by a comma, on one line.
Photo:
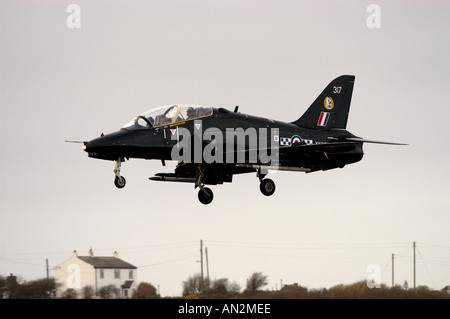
{"points": [[120, 182], [205, 196], [267, 187]]}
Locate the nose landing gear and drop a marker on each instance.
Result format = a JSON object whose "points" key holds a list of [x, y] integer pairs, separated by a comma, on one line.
{"points": [[205, 195], [119, 180]]}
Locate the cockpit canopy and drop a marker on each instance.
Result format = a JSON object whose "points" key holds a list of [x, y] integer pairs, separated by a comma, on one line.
{"points": [[166, 115]]}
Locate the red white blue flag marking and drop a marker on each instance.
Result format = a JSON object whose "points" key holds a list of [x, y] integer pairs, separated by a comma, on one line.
{"points": [[323, 119]]}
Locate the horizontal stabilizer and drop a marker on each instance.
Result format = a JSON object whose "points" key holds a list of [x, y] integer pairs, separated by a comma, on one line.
{"points": [[338, 144], [357, 139]]}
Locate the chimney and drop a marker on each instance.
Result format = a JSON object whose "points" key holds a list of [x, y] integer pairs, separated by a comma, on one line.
{"points": [[116, 254], [74, 253], [91, 253]]}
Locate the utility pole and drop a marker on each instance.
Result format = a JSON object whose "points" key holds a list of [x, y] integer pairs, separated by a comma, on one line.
{"points": [[201, 265], [46, 265], [392, 270], [207, 263], [414, 265]]}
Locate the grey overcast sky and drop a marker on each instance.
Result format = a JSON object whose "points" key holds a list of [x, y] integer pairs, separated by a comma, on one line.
{"points": [[272, 58]]}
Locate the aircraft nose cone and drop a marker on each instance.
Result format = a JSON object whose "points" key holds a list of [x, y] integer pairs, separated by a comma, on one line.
{"points": [[95, 147], [93, 144], [103, 147]]}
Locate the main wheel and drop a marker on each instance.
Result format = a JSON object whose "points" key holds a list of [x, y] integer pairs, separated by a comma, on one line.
{"points": [[267, 187], [120, 182], [205, 195]]}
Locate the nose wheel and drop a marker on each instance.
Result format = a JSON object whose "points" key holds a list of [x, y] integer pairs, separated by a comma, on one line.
{"points": [[205, 195], [119, 180]]}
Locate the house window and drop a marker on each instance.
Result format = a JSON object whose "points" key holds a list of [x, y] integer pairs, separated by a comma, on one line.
{"points": [[102, 273], [117, 273], [130, 274]]}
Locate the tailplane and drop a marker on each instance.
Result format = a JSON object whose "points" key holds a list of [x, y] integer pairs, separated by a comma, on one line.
{"points": [[330, 109]]}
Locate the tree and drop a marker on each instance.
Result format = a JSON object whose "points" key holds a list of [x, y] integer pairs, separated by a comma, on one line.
{"points": [[446, 289], [255, 282], [87, 292], [36, 289], [70, 293], [293, 291], [11, 287], [107, 292], [217, 288], [145, 291], [222, 288], [193, 285], [3, 287]]}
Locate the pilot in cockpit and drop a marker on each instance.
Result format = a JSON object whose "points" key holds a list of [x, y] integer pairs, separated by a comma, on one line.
{"points": [[190, 113]]}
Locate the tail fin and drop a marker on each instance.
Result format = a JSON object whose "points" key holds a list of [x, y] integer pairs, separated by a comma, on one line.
{"points": [[330, 109]]}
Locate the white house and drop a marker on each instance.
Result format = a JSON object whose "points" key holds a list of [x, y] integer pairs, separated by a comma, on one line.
{"points": [[97, 272]]}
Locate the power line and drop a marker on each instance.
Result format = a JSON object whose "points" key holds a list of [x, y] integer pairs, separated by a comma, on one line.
{"points": [[434, 246], [21, 262], [189, 256], [307, 245], [151, 247], [429, 274]]}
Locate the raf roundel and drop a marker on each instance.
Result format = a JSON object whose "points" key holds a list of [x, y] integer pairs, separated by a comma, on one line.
{"points": [[328, 103], [295, 139]]}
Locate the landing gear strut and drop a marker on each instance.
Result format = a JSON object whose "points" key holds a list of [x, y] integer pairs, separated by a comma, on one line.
{"points": [[266, 186], [205, 195], [119, 180]]}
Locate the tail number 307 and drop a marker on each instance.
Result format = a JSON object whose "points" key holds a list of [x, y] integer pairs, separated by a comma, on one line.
{"points": [[337, 89]]}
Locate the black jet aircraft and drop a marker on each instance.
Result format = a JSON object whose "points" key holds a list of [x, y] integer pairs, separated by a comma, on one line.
{"points": [[213, 144]]}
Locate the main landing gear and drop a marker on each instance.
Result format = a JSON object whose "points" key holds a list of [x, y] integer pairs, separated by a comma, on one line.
{"points": [[266, 186], [119, 180], [205, 194]]}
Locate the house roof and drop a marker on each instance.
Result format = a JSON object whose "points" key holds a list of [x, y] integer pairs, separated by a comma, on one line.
{"points": [[107, 262], [127, 284]]}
